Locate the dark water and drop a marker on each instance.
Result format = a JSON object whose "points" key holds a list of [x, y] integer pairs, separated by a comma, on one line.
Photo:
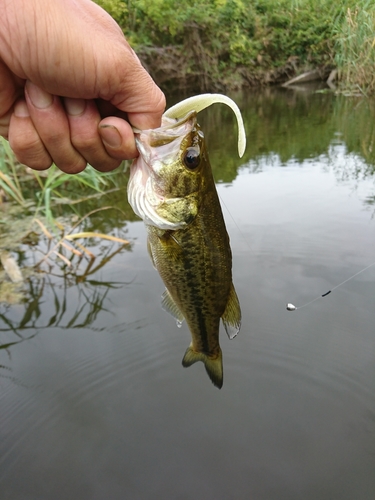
{"points": [[94, 402]]}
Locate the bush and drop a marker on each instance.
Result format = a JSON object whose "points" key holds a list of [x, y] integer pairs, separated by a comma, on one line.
{"points": [[212, 41]]}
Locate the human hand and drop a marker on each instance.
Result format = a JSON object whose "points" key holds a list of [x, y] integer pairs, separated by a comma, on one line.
{"points": [[71, 86]]}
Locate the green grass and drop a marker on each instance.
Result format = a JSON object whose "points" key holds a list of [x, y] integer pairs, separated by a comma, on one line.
{"points": [[9, 180], [43, 192], [355, 47]]}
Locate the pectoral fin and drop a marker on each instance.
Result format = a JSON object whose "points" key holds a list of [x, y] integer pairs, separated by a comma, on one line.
{"points": [[232, 314], [179, 210], [214, 366], [170, 306]]}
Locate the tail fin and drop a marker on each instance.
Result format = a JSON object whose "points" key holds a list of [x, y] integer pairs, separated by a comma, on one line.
{"points": [[214, 366]]}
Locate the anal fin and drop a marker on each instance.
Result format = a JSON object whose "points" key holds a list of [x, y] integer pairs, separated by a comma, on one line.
{"points": [[232, 314]]}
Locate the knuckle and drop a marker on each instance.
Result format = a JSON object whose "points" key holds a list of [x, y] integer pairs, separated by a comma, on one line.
{"points": [[85, 143], [105, 165], [54, 139], [160, 103], [91, 148], [31, 152], [24, 138], [35, 160], [72, 167], [23, 142]]}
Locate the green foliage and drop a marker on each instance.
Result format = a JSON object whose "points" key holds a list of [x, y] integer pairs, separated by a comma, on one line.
{"points": [[174, 19], [9, 182], [214, 39], [51, 193], [355, 43], [303, 30], [238, 25], [117, 9]]}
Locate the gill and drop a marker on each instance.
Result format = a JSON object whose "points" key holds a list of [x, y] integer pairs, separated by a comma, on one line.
{"points": [[199, 103]]}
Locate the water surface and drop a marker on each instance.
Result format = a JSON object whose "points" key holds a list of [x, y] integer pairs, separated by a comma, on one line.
{"points": [[94, 402]]}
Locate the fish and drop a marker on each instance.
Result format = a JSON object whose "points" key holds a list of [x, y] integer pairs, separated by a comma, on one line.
{"points": [[171, 187]]}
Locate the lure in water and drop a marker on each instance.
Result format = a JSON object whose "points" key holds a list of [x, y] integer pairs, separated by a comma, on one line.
{"points": [[292, 307], [172, 189]]}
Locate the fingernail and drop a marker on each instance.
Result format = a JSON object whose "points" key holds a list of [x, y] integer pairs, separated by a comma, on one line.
{"points": [[110, 136], [39, 98], [74, 107], [21, 110]]}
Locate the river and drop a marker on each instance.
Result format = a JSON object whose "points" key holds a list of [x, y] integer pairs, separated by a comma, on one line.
{"points": [[94, 402]]}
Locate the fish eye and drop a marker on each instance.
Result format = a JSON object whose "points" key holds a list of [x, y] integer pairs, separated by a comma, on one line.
{"points": [[192, 158]]}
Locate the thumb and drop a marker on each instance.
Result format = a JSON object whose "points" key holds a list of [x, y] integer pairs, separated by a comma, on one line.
{"points": [[139, 96]]}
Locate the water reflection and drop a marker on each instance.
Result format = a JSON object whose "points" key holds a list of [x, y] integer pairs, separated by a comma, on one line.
{"points": [[65, 297], [296, 416], [293, 127]]}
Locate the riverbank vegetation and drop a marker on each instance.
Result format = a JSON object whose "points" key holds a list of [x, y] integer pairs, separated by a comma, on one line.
{"points": [[53, 221], [216, 45]]}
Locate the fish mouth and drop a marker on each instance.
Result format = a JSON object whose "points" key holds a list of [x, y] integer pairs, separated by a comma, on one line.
{"points": [[161, 145], [157, 148]]}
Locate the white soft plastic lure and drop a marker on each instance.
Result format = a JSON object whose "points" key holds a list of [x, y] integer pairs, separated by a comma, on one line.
{"points": [[199, 102]]}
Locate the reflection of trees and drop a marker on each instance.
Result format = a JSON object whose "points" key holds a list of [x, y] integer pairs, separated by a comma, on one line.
{"points": [[277, 122], [69, 298], [349, 165], [292, 125], [283, 125], [355, 118], [80, 313]]}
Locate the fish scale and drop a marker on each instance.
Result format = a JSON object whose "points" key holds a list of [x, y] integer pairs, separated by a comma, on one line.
{"points": [[195, 266], [187, 239]]}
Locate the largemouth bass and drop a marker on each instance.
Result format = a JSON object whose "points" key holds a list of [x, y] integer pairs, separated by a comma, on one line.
{"points": [[172, 189]]}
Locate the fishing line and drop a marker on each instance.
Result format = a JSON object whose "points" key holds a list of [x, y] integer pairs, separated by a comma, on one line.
{"points": [[292, 307], [235, 223]]}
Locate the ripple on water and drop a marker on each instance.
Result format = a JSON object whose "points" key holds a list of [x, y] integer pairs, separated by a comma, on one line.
{"points": [[80, 369]]}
